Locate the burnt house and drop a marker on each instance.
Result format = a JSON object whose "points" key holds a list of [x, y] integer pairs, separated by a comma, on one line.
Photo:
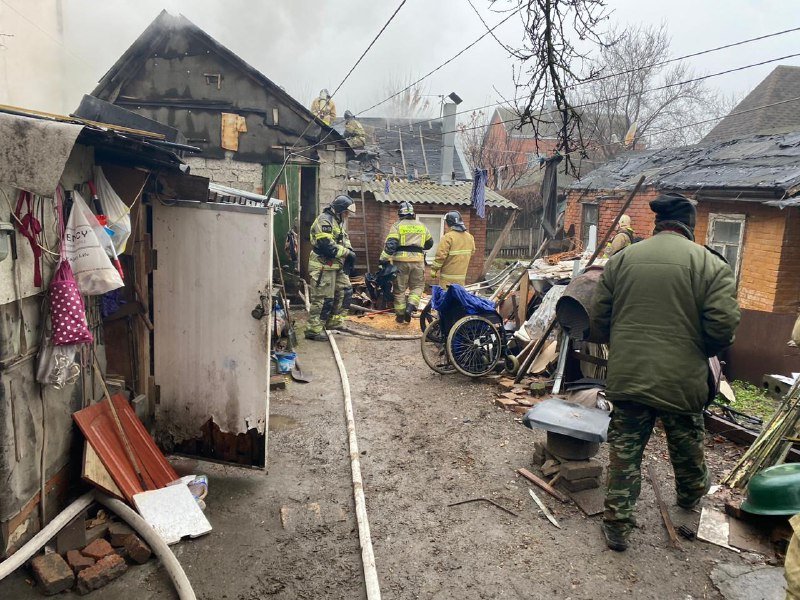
{"points": [[748, 195], [244, 123]]}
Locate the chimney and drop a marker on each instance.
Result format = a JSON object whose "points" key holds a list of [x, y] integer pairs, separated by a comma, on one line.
{"points": [[448, 141]]}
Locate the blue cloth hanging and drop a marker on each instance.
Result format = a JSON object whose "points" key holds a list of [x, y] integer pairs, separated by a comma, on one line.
{"points": [[478, 196]]}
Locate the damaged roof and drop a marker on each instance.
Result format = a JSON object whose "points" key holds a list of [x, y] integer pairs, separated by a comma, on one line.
{"points": [[763, 164], [422, 146], [426, 192], [780, 92]]}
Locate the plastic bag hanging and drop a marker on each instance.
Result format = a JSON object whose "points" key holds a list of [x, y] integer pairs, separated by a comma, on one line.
{"points": [[88, 247], [117, 213]]}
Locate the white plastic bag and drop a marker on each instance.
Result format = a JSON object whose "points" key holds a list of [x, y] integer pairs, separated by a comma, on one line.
{"points": [[57, 366], [116, 211], [87, 247]]}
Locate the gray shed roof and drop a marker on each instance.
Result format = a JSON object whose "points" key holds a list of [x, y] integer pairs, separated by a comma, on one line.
{"points": [[782, 85], [768, 164], [425, 192]]}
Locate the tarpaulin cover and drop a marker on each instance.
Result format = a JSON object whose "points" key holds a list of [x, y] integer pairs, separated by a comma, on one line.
{"points": [[33, 152], [456, 295]]}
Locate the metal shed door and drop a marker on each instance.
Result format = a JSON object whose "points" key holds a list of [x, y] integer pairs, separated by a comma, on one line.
{"points": [[210, 354]]}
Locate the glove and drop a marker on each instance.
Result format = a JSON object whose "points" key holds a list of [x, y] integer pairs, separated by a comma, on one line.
{"points": [[434, 273], [349, 263]]}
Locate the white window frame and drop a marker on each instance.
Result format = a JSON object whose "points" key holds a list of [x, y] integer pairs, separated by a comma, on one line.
{"points": [[431, 254], [713, 219], [584, 229]]}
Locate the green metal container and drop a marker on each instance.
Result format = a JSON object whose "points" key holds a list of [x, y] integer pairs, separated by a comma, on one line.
{"points": [[774, 491]]}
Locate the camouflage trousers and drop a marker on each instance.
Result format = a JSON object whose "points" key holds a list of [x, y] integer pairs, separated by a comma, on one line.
{"points": [[411, 277], [628, 433], [330, 293]]}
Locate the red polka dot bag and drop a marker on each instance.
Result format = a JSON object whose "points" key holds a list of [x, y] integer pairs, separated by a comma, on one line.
{"points": [[67, 312]]}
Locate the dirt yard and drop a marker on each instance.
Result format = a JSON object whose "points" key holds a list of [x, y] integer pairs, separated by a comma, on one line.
{"points": [[426, 441]]}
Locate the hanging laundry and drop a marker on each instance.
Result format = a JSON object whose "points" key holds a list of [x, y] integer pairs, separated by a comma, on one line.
{"points": [[478, 195], [232, 126]]}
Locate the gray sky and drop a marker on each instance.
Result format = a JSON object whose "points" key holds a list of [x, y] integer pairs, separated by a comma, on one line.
{"points": [[305, 45]]}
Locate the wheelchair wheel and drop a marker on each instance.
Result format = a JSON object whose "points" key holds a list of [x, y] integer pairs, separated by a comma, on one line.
{"points": [[474, 346], [433, 351]]}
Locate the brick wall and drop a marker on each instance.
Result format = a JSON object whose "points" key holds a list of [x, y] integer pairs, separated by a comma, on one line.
{"points": [[762, 249], [241, 175], [380, 216], [769, 275], [642, 218]]}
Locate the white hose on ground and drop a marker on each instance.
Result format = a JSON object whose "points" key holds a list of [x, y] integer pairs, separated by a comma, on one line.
{"points": [[367, 555], [156, 543], [379, 336], [37, 542]]}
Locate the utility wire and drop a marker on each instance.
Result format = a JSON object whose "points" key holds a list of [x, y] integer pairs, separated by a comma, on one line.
{"points": [[671, 129], [511, 51], [444, 64], [655, 89], [638, 69], [360, 58], [338, 87]]}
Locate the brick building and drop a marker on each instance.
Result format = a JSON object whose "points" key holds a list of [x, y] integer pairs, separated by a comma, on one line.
{"points": [[747, 193], [431, 202]]}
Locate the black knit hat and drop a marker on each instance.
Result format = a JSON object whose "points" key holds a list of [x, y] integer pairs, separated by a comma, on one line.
{"points": [[674, 207]]}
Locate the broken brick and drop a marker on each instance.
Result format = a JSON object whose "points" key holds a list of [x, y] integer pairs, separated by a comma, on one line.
{"points": [[96, 532], [550, 467], [118, 534], [78, 562], [580, 469], [138, 551], [506, 383], [103, 572], [505, 403], [52, 573], [509, 396], [98, 549]]}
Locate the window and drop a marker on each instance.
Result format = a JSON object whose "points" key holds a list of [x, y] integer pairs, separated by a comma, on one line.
{"points": [[435, 223], [590, 216], [725, 235]]}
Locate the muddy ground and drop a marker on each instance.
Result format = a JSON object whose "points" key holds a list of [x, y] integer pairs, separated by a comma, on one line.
{"points": [[427, 441]]}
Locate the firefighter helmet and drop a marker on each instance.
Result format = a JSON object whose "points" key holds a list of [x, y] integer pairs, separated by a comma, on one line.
{"points": [[341, 204], [405, 210]]}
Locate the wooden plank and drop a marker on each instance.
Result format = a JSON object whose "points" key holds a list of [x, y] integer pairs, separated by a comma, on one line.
{"points": [[662, 507], [95, 472], [500, 241], [541, 483]]}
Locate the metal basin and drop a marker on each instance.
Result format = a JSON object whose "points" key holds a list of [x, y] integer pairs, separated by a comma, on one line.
{"points": [[574, 308]]}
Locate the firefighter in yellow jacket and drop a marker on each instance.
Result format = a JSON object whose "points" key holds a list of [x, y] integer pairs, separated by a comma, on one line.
{"points": [[405, 248], [454, 252], [324, 108], [329, 266]]}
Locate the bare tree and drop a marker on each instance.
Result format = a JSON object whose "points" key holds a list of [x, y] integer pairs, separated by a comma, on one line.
{"points": [[493, 147], [634, 99], [550, 62]]}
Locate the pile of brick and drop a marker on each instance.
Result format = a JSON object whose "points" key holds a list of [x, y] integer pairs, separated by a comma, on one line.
{"points": [[574, 475], [519, 397], [102, 554]]}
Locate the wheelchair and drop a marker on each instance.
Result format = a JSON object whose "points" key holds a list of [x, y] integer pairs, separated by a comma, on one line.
{"points": [[466, 336]]}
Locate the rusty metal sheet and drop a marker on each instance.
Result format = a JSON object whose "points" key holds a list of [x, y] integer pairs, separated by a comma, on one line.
{"points": [[98, 426]]}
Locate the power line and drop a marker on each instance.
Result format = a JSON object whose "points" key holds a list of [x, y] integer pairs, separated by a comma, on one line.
{"points": [[360, 58], [511, 51], [444, 64], [655, 89], [677, 128], [642, 68]]}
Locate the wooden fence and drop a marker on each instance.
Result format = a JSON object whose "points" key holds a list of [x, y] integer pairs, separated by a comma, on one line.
{"points": [[523, 239]]}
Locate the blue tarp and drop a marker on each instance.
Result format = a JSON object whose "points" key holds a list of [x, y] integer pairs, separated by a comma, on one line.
{"points": [[456, 296]]}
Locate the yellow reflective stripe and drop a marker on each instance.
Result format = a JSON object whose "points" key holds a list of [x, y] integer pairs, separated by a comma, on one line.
{"points": [[458, 252]]}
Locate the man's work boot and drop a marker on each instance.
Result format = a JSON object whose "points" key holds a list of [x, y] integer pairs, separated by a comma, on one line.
{"points": [[615, 538], [319, 336], [400, 318], [691, 505], [407, 316]]}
